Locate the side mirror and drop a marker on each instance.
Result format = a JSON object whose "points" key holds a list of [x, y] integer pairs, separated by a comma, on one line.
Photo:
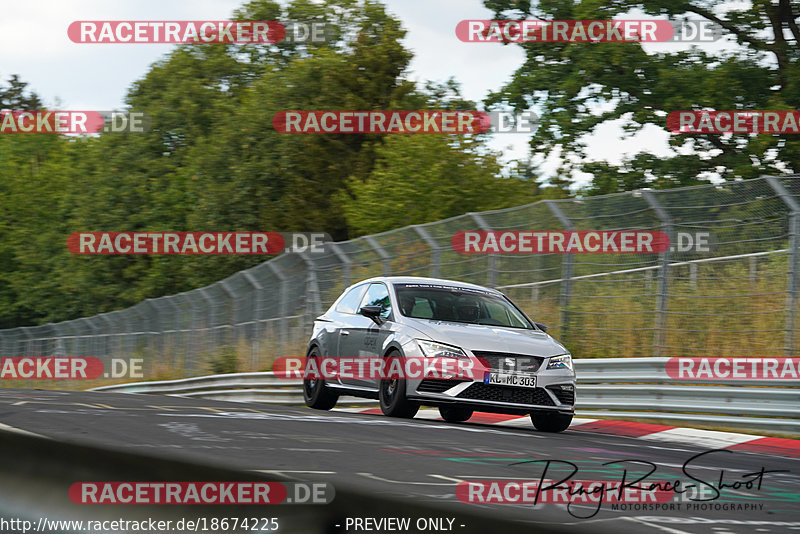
{"points": [[373, 312], [542, 327]]}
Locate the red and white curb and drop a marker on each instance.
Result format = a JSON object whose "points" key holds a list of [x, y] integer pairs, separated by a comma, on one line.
{"points": [[712, 439]]}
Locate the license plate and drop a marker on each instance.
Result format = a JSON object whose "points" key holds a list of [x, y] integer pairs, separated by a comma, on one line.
{"points": [[509, 379]]}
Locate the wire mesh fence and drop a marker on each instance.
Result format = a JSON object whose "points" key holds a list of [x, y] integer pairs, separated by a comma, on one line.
{"points": [[738, 296]]}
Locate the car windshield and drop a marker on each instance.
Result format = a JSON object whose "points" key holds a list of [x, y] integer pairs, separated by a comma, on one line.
{"points": [[458, 304]]}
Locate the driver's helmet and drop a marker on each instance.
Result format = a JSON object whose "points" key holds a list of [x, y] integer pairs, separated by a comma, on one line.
{"points": [[406, 304], [468, 310]]}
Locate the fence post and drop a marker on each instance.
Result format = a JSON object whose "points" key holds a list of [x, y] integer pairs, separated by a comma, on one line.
{"points": [[793, 283], [492, 268], [163, 338], [130, 340], [283, 305], [155, 325], [314, 303], [60, 348], [92, 341], [435, 252], [190, 362], [143, 327], [566, 268], [254, 343], [385, 258], [108, 336], [347, 272], [663, 273], [119, 336], [27, 342], [231, 316]]}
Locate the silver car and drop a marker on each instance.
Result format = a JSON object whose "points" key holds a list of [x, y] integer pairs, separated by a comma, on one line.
{"points": [[514, 366]]}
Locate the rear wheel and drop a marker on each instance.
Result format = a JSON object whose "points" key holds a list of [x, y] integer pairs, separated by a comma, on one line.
{"points": [[392, 394], [551, 421], [455, 414], [316, 394]]}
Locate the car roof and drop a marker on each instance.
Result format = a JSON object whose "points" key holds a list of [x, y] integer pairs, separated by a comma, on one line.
{"points": [[424, 280]]}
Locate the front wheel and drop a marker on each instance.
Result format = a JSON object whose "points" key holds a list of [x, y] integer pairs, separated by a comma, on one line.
{"points": [[315, 393], [551, 421], [392, 395], [455, 414]]}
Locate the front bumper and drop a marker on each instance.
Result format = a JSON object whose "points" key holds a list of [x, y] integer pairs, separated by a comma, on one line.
{"points": [[555, 391]]}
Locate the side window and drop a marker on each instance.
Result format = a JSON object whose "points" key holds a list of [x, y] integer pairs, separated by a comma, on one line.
{"points": [[349, 303], [378, 295]]}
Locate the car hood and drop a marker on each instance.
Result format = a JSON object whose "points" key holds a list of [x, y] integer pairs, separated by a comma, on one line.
{"points": [[489, 338]]}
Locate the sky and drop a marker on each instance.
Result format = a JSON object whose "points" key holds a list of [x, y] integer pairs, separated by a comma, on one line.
{"points": [[67, 75]]}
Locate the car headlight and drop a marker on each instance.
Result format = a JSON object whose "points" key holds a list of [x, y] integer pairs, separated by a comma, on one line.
{"points": [[560, 362], [431, 349]]}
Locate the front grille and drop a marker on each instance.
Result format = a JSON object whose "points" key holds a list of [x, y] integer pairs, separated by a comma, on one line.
{"points": [[477, 391], [564, 396], [437, 385], [506, 361]]}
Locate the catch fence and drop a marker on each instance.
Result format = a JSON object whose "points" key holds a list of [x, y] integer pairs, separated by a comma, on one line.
{"points": [[736, 296]]}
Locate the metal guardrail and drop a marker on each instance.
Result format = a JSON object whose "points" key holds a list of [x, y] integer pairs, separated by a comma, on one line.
{"points": [[239, 387], [623, 388]]}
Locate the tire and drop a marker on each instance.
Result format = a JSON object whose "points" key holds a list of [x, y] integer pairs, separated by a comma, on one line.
{"points": [[455, 414], [392, 396], [315, 393], [551, 421]]}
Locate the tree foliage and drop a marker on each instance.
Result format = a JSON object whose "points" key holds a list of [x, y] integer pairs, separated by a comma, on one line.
{"points": [[577, 87], [213, 162]]}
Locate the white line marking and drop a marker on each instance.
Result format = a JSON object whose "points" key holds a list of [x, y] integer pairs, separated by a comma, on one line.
{"points": [[16, 430], [662, 527], [706, 438], [381, 479]]}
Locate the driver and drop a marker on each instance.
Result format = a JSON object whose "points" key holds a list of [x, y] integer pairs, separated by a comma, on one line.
{"points": [[468, 310], [406, 304]]}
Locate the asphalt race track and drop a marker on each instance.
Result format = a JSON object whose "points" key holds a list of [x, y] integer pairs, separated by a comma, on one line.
{"points": [[416, 460]]}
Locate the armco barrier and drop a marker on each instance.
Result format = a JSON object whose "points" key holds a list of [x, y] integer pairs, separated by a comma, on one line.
{"points": [[621, 388], [241, 387]]}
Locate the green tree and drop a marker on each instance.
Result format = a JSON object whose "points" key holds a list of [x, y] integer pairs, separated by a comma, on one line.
{"points": [[424, 178], [213, 162], [576, 87], [18, 96]]}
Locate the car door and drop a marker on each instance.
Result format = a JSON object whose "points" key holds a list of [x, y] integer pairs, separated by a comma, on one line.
{"points": [[364, 338], [346, 318]]}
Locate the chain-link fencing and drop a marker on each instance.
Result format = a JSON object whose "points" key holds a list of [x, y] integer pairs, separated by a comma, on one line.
{"points": [[738, 296]]}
